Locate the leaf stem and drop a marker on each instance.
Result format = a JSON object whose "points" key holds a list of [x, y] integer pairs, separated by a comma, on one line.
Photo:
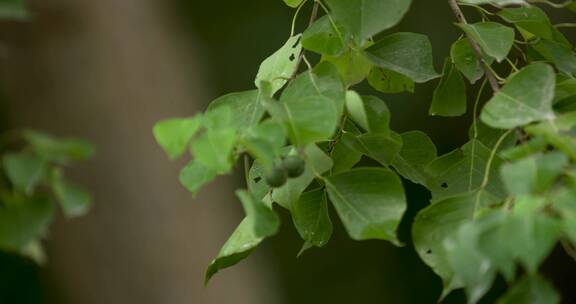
{"points": [[475, 113], [560, 25], [296, 14], [489, 167], [476, 47]]}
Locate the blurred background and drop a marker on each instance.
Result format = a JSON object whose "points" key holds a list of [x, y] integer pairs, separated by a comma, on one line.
{"points": [[106, 71]]}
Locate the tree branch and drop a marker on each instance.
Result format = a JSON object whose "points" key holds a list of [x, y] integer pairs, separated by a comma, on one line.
{"points": [[477, 51]]}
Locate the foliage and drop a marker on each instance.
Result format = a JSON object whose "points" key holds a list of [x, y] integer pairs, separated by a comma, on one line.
{"points": [[32, 183], [500, 203]]}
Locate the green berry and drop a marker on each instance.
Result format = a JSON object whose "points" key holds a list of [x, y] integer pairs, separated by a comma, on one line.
{"points": [[276, 178], [294, 166]]}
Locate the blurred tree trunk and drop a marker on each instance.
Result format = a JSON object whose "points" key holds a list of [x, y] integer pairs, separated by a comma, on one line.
{"points": [[107, 70]]}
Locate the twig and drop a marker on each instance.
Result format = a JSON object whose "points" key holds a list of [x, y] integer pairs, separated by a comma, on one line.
{"points": [[312, 19], [477, 51], [490, 75]]}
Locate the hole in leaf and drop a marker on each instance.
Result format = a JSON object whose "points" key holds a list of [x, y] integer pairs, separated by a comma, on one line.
{"points": [[429, 251], [292, 57], [444, 185], [257, 179]]}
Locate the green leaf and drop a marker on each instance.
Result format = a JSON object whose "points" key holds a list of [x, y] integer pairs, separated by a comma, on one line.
{"points": [[307, 120], [58, 150], [449, 97], [417, 152], [496, 2], [534, 174], [489, 136], [317, 163], [462, 171], [369, 112], [355, 109], [495, 39], [471, 268], [531, 289], [390, 82], [74, 201], [433, 225], [561, 55], [277, 68], [465, 59], [532, 146], [391, 53], [265, 142], [323, 80], [13, 9], [530, 19], [311, 218], [293, 3], [214, 149], [344, 157], [527, 97], [260, 222], [23, 221], [352, 65], [25, 171], [536, 239], [174, 135], [369, 201], [380, 147], [195, 175], [247, 107], [325, 37], [365, 18]]}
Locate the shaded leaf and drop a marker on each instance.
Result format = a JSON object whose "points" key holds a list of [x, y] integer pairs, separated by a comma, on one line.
{"points": [[527, 97], [23, 221], [365, 18], [449, 97], [433, 225], [391, 82], [495, 39], [260, 222], [61, 150], [463, 171], [74, 201], [531, 289], [417, 152], [311, 218], [465, 59], [561, 55], [530, 19], [380, 147], [325, 37], [25, 171], [369, 201], [409, 54]]}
